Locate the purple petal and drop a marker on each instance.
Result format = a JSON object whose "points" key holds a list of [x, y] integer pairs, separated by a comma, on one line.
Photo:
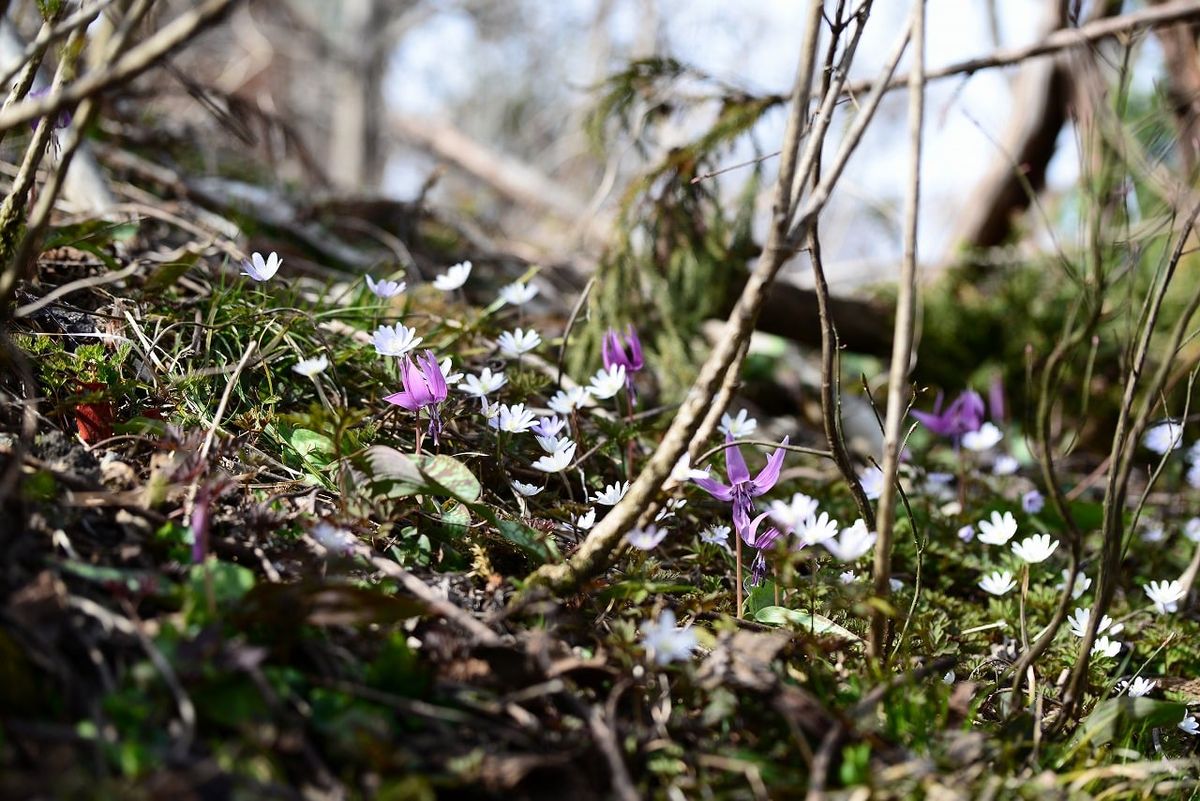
{"points": [[749, 530], [770, 474], [433, 377], [735, 464], [404, 399], [934, 422], [611, 351], [636, 362], [714, 488]]}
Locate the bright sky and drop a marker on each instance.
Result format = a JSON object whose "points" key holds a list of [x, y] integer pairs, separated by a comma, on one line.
{"points": [[755, 46]]}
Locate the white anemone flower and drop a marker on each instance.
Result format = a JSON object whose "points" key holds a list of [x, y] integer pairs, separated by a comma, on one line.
{"points": [[514, 344], [1005, 465], [1163, 437], [558, 461], [454, 277], [998, 582], [853, 543], [612, 494], [1035, 549], [1153, 532], [1189, 725], [716, 535], [645, 539], [607, 382], [566, 401], [1192, 529], [1138, 687], [261, 269], [1103, 646], [395, 340], [847, 577], [999, 529], [333, 539], [549, 426], [1082, 616], [586, 520], [552, 443], [518, 293], [665, 641], [966, 533], [738, 427], [683, 472], [525, 490], [1165, 595], [872, 482], [790, 514], [483, 384], [515, 419], [447, 366], [311, 367], [384, 288], [984, 439], [1082, 583], [816, 530], [1193, 476]]}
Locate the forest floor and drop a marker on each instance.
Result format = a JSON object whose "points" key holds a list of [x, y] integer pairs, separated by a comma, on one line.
{"points": [[226, 578]]}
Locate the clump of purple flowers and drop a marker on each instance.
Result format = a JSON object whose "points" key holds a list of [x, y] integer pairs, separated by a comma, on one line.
{"points": [[626, 352], [964, 415], [424, 388]]}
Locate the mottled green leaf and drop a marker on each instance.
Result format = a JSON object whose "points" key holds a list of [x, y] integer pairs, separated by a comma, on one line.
{"points": [[534, 543], [453, 476], [803, 621]]}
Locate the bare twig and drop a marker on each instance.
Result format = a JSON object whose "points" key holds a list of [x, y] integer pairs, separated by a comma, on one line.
{"points": [[134, 62], [902, 341], [437, 604], [1065, 39]]}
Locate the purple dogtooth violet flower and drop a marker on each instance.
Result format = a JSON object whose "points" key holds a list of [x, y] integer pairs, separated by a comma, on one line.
{"points": [[741, 489], [965, 414], [424, 388], [626, 352]]}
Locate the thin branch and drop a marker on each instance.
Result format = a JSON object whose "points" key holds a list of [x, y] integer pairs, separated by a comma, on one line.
{"points": [[1064, 39], [902, 340], [133, 63]]}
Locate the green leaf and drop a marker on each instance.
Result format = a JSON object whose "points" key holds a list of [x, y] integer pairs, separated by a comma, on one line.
{"points": [[531, 542], [455, 516], [453, 476], [1123, 716], [311, 445], [803, 621], [221, 583], [404, 474]]}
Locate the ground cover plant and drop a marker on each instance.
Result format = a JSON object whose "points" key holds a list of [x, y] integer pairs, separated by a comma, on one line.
{"points": [[317, 499]]}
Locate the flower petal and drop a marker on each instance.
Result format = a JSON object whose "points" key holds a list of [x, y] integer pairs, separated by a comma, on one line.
{"points": [[770, 474], [714, 488], [405, 400], [735, 463]]}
